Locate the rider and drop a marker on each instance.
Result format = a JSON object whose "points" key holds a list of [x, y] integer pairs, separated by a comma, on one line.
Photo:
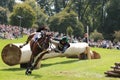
{"points": [[40, 31], [62, 45]]}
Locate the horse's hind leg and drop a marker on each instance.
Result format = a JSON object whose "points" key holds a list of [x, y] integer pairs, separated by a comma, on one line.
{"points": [[30, 67], [32, 64]]}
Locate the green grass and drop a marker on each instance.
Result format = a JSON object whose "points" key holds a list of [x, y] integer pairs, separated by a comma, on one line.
{"points": [[62, 68]]}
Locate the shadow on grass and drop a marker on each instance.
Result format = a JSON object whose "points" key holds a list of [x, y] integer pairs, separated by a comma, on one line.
{"points": [[63, 62], [43, 65], [35, 75], [12, 69], [21, 69]]}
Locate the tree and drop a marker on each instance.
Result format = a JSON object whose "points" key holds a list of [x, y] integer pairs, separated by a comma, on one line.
{"points": [[11, 3], [27, 14], [52, 7], [41, 17], [116, 36], [96, 35], [7, 4], [47, 6], [3, 15], [69, 31], [112, 19], [62, 20]]}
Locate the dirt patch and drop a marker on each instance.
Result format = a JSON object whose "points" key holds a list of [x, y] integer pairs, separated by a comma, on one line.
{"points": [[65, 73]]}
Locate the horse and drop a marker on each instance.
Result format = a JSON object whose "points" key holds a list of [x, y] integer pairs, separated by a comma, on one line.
{"points": [[39, 48], [79, 50]]}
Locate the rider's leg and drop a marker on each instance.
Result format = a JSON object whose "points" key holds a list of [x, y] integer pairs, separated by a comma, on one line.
{"points": [[57, 50], [64, 49]]}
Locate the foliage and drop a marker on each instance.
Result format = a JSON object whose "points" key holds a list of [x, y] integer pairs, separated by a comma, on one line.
{"points": [[41, 17], [96, 35], [52, 7], [61, 21], [117, 36], [27, 14], [46, 5], [69, 31], [3, 15], [91, 13], [7, 4], [112, 18], [100, 15], [79, 30], [11, 3]]}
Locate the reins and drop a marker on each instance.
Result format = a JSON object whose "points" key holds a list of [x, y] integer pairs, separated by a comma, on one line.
{"points": [[38, 44]]}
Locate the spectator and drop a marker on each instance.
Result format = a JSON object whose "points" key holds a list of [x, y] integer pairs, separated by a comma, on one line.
{"points": [[85, 39]]}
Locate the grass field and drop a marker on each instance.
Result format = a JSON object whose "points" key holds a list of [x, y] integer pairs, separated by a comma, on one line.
{"points": [[63, 68]]}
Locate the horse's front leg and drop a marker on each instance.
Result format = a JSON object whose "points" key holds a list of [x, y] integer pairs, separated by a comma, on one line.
{"points": [[23, 44], [34, 61], [27, 41], [39, 57]]}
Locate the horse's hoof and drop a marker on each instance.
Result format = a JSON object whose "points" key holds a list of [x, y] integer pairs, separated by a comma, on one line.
{"points": [[28, 72], [20, 46]]}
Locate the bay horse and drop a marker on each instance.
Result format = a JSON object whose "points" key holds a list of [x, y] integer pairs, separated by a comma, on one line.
{"points": [[39, 48]]}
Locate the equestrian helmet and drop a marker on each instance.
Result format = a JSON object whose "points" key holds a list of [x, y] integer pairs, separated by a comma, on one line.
{"points": [[65, 39]]}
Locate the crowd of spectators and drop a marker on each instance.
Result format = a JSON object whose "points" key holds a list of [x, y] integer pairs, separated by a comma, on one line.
{"points": [[12, 32], [108, 44], [105, 44]]}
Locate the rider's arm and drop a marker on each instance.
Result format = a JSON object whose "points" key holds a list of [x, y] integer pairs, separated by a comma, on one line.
{"points": [[54, 42], [56, 39]]}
